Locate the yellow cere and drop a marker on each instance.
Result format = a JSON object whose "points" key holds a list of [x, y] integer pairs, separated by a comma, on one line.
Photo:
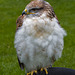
{"points": [[25, 10]]}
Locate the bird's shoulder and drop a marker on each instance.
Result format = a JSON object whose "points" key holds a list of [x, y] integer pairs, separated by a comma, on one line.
{"points": [[53, 14], [19, 21], [50, 12]]}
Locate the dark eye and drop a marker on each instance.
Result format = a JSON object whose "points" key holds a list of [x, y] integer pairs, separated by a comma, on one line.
{"points": [[36, 9]]}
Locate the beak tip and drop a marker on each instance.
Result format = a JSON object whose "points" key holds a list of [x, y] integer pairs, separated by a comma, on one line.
{"points": [[23, 13]]}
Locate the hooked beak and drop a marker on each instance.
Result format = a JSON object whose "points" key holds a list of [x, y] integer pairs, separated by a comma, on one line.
{"points": [[26, 12]]}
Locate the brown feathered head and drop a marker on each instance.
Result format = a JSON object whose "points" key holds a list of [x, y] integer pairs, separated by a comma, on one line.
{"points": [[37, 8]]}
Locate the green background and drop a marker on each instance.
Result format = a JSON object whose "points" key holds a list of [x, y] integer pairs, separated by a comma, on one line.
{"points": [[9, 12]]}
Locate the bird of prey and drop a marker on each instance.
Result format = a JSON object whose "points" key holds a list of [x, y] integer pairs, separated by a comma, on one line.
{"points": [[39, 36]]}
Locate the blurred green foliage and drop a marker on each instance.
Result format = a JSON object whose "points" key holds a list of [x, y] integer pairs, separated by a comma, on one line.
{"points": [[9, 12]]}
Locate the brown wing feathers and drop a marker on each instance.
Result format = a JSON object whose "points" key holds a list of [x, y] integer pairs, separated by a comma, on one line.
{"points": [[19, 24], [21, 64], [19, 21]]}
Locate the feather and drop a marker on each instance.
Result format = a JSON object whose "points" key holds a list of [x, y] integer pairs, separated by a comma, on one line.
{"points": [[19, 21], [21, 64]]}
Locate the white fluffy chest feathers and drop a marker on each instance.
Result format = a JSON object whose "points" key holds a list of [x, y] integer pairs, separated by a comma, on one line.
{"points": [[38, 26], [38, 39], [41, 31]]}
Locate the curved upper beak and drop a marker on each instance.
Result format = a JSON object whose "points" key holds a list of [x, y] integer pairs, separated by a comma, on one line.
{"points": [[24, 12]]}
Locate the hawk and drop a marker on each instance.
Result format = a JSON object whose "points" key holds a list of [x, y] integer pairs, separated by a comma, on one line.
{"points": [[39, 36]]}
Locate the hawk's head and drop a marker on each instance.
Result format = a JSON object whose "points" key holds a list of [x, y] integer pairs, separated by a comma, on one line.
{"points": [[38, 7]]}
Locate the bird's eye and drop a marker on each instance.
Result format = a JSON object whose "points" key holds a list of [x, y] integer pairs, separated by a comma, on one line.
{"points": [[35, 9]]}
